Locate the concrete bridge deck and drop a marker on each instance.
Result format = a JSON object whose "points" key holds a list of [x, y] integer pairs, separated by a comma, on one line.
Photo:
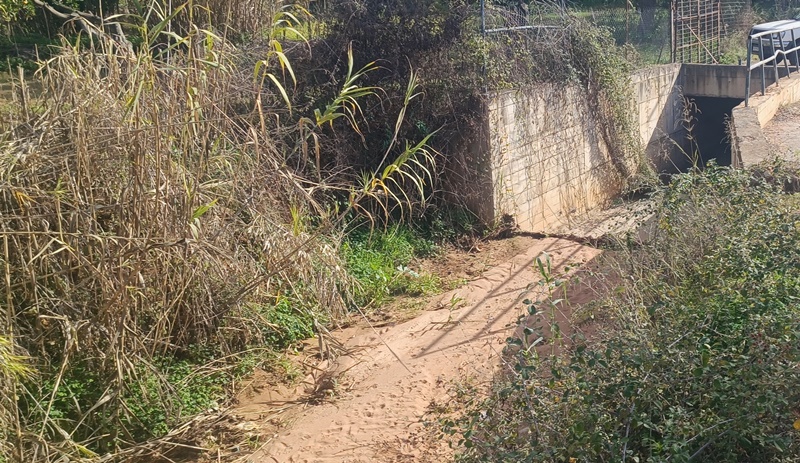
{"points": [[770, 126]]}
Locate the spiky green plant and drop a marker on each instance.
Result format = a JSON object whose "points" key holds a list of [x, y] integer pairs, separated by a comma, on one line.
{"points": [[285, 20]]}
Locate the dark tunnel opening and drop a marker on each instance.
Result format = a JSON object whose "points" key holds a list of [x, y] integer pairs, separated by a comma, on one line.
{"points": [[707, 133]]}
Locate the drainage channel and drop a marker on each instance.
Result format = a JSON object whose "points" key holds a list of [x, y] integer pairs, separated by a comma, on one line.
{"points": [[707, 128]]}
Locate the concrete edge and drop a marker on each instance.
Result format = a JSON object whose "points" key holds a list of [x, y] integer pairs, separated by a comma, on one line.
{"points": [[749, 145]]}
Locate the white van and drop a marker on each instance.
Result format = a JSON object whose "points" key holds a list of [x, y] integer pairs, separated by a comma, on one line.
{"points": [[766, 46]]}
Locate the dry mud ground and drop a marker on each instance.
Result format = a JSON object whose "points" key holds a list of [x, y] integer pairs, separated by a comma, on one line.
{"points": [[783, 133], [372, 397]]}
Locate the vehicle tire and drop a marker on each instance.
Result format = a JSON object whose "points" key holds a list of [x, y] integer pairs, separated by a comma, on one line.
{"points": [[792, 56], [769, 51]]}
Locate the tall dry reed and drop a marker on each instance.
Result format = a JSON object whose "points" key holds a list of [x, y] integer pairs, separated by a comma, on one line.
{"points": [[142, 212]]}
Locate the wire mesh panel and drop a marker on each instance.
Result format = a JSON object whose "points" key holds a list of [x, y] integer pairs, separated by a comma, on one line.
{"points": [[697, 31], [686, 31], [737, 15], [646, 29]]}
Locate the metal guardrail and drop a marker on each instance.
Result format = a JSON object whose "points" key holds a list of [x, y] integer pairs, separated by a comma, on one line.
{"points": [[776, 43], [485, 30]]}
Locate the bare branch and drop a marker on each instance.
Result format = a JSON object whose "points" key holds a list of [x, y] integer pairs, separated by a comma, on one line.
{"points": [[87, 22]]}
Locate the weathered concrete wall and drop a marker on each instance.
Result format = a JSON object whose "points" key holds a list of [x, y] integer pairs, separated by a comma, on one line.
{"points": [[548, 160], [658, 100], [725, 81], [538, 156], [549, 164], [714, 80]]}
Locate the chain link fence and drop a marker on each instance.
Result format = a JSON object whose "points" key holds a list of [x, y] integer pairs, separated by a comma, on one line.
{"points": [[687, 31], [646, 30], [737, 16], [656, 32]]}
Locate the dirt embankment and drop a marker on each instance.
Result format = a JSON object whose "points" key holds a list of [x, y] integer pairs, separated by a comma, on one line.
{"points": [[376, 392]]}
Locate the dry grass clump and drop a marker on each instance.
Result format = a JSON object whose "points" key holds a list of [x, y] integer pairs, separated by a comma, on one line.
{"points": [[141, 216]]}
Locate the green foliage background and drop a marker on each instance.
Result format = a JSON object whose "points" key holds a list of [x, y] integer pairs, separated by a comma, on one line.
{"points": [[380, 260]]}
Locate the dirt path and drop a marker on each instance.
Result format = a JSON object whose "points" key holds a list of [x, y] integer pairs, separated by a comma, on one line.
{"points": [[783, 133], [377, 401]]}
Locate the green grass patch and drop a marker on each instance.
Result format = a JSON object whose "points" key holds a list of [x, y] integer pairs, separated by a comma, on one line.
{"points": [[380, 262], [174, 391], [158, 396]]}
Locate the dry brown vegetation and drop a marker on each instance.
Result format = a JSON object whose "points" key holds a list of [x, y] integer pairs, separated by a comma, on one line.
{"points": [[147, 213], [136, 223]]}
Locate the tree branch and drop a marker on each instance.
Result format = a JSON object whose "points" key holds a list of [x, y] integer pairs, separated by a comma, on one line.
{"points": [[85, 21]]}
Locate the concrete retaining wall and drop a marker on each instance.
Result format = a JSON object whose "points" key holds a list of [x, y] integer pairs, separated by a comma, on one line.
{"points": [[537, 156], [658, 99], [547, 162], [725, 80]]}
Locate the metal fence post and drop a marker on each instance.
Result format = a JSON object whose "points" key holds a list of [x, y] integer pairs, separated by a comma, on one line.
{"points": [[785, 56], [747, 80], [775, 60], [793, 45]]}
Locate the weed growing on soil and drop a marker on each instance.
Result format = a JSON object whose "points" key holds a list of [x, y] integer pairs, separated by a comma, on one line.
{"points": [[288, 322], [695, 356], [379, 261]]}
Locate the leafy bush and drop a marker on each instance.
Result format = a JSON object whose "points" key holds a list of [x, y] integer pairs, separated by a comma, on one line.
{"points": [[697, 352], [157, 396], [449, 224], [194, 389], [288, 323]]}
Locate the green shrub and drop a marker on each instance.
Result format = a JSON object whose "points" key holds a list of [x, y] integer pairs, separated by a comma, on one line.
{"points": [[379, 262], [157, 396], [697, 357], [193, 391], [448, 224], [288, 323]]}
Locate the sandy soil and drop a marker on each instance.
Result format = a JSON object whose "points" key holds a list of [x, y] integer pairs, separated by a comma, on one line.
{"points": [[370, 399], [783, 133]]}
